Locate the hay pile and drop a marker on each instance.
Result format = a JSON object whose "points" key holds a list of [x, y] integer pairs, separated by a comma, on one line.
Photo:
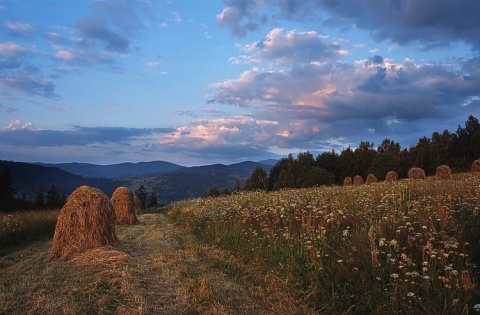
{"points": [[416, 173], [444, 172], [347, 181], [476, 166], [391, 177], [371, 179], [87, 221], [357, 180], [138, 205], [124, 205]]}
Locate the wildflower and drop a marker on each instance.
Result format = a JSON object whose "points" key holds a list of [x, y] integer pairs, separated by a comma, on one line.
{"points": [[394, 276], [410, 294]]}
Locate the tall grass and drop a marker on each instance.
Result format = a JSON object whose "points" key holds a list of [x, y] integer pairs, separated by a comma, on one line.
{"points": [[25, 226], [402, 247]]}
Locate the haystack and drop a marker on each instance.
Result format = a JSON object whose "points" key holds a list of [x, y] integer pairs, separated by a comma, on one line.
{"points": [[347, 181], [371, 179], [124, 205], [87, 221], [476, 166], [357, 180], [391, 177], [416, 173], [444, 172], [138, 205]]}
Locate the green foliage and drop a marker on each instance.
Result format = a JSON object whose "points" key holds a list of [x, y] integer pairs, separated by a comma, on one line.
{"points": [[142, 195], [381, 165], [153, 200], [7, 191], [257, 180], [39, 198]]}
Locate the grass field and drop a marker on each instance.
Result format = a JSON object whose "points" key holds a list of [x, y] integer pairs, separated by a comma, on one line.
{"points": [[386, 248], [408, 247]]}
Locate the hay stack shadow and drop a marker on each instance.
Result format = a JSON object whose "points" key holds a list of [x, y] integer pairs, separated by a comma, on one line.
{"points": [[87, 221], [124, 204]]}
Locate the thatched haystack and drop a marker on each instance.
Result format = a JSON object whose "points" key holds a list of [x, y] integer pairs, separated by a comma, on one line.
{"points": [[124, 205], [371, 179], [87, 221], [138, 205], [476, 166], [357, 180], [444, 172], [416, 173], [391, 177], [347, 181]]}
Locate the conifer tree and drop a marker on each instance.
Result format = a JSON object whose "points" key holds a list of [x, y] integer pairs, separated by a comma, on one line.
{"points": [[7, 191]]}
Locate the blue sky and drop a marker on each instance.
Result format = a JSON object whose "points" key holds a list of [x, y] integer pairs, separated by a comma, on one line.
{"points": [[196, 83]]}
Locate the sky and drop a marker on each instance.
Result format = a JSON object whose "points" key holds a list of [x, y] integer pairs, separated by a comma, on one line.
{"points": [[201, 82]]}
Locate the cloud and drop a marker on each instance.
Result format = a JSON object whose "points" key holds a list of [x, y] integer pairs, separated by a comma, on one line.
{"points": [[241, 16], [19, 27], [15, 135], [291, 47], [17, 125], [430, 23], [12, 50], [98, 30]]}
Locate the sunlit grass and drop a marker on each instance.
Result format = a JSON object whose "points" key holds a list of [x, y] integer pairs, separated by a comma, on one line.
{"points": [[402, 247], [25, 226]]}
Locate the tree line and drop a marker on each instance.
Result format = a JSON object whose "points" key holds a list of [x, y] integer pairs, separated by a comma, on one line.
{"points": [[457, 149]]}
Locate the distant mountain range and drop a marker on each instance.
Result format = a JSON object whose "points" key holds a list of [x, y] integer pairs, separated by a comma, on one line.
{"points": [[170, 182], [122, 170]]}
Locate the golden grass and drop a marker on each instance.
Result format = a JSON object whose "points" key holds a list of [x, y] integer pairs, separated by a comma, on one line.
{"points": [[86, 221], [124, 204], [167, 272]]}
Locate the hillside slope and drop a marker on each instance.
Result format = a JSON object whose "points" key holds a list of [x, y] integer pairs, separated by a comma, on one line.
{"points": [[160, 269]]}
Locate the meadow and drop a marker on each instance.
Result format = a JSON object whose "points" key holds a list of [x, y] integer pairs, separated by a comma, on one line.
{"points": [[407, 247]]}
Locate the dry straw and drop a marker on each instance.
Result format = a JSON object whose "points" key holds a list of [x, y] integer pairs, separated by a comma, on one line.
{"points": [[371, 179], [476, 166], [347, 181], [124, 205], [358, 180], [416, 173], [391, 177], [87, 221], [138, 205], [444, 172]]}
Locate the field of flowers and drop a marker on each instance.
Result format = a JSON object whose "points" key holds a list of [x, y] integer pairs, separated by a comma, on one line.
{"points": [[385, 248], [24, 226]]}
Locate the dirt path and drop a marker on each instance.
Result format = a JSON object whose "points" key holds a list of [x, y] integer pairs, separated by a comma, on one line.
{"points": [[167, 272]]}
